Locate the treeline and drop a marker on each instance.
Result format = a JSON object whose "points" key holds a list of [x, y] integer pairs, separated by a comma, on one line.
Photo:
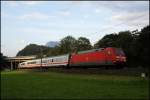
{"points": [[67, 45], [134, 43]]}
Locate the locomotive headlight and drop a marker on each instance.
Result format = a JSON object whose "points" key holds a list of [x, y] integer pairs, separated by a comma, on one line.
{"points": [[121, 58], [124, 59], [117, 57]]}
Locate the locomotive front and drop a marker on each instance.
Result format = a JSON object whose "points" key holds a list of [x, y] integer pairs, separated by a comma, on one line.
{"points": [[120, 58]]}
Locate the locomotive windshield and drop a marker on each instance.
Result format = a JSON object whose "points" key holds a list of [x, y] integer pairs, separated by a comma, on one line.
{"points": [[119, 52]]}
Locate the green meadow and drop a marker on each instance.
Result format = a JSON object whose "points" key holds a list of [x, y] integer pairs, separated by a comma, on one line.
{"points": [[56, 85]]}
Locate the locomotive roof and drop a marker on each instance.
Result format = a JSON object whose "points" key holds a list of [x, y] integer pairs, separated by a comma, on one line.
{"points": [[87, 51]]}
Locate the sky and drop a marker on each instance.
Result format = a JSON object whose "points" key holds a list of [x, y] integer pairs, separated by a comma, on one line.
{"points": [[38, 22]]}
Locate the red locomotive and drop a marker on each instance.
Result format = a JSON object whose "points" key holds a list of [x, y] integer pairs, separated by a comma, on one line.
{"points": [[102, 56], [95, 57]]}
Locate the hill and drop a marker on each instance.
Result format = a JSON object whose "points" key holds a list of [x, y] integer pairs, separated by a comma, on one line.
{"points": [[52, 44], [33, 49]]}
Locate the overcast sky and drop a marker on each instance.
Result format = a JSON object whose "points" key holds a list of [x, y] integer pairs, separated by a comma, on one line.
{"points": [[25, 22]]}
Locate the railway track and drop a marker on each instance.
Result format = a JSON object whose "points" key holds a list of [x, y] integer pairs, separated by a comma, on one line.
{"points": [[123, 71]]}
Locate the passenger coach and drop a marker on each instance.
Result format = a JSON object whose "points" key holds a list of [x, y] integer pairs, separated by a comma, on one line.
{"points": [[56, 61]]}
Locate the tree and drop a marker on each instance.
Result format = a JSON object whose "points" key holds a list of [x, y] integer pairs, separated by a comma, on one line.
{"points": [[124, 39], [143, 41], [107, 41], [83, 44], [68, 45], [53, 51], [3, 62]]}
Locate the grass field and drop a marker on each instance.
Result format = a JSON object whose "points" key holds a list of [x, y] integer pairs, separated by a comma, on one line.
{"points": [[55, 85]]}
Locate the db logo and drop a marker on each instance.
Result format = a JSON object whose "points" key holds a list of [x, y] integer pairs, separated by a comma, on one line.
{"points": [[87, 58]]}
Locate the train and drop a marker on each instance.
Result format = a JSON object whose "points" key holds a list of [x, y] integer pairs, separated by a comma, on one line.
{"points": [[109, 56]]}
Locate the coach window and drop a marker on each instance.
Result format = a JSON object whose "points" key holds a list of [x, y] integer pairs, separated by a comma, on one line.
{"points": [[56, 59], [23, 64], [31, 62], [44, 61]]}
